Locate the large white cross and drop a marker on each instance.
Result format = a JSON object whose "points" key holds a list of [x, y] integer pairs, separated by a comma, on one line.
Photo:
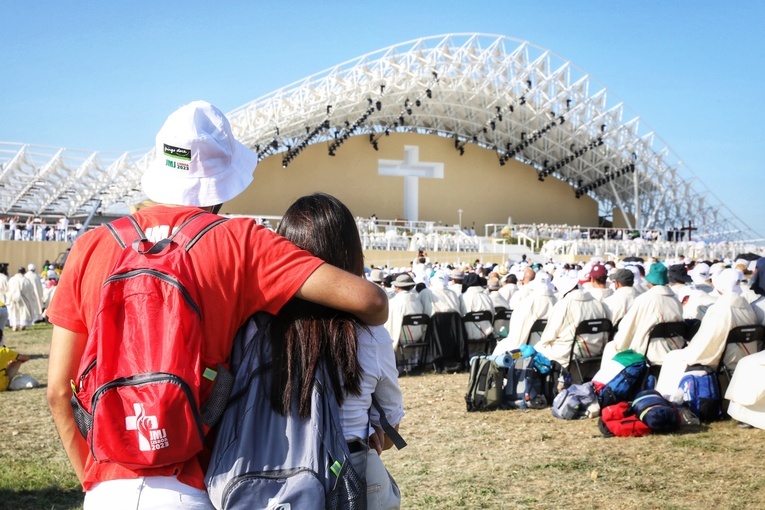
{"points": [[411, 169]]}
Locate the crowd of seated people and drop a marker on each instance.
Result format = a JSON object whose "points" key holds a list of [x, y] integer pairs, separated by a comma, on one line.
{"points": [[711, 297]]}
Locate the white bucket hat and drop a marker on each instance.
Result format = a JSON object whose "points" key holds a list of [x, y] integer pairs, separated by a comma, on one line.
{"points": [[197, 160]]}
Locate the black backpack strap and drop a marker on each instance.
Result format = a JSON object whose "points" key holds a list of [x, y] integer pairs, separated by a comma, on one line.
{"points": [[392, 433]]}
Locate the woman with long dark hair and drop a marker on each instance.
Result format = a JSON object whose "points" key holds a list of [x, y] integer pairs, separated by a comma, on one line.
{"points": [[359, 358]]}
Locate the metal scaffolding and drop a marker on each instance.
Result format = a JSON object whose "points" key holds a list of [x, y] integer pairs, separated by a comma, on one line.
{"points": [[506, 95]]}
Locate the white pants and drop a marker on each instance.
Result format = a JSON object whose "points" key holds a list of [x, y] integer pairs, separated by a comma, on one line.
{"points": [[382, 491], [146, 493]]}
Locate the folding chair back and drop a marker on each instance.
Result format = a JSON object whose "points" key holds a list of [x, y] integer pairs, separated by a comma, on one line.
{"points": [[471, 321], [538, 327], [590, 362], [738, 337], [671, 331], [412, 339]]}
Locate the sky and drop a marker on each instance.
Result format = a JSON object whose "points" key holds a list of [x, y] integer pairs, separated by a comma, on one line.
{"points": [[105, 75]]}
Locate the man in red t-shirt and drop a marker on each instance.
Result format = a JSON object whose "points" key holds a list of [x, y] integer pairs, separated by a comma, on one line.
{"points": [[240, 268]]}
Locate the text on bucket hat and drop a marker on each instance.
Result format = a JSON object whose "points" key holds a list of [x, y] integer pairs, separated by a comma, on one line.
{"points": [[657, 275], [197, 160]]}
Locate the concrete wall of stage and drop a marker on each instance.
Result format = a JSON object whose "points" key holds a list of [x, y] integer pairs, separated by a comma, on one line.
{"points": [[475, 183], [22, 253]]}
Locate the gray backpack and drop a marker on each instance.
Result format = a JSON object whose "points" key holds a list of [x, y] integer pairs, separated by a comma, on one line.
{"points": [[573, 403], [262, 459], [484, 391]]}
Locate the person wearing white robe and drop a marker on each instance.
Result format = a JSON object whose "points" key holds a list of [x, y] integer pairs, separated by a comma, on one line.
{"points": [[437, 298], [455, 281], [639, 283], [746, 391], [597, 287], [405, 302], [755, 294], [657, 304], [475, 299], [708, 344], [556, 340], [524, 288], [537, 305], [617, 304], [3, 300], [21, 301], [696, 302], [509, 287], [700, 277], [499, 301], [36, 280]]}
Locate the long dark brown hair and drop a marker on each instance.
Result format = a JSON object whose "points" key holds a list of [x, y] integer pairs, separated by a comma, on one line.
{"points": [[303, 334]]}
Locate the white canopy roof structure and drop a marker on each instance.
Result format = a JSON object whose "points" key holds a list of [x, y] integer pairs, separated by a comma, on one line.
{"points": [[506, 95]]}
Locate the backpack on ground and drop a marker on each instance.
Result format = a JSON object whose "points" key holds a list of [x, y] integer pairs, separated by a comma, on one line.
{"points": [[621, 378], [656, 412], [701, 393], [573, 403], [263, 459], [142, 376], [523, 387], [619, 420], [484, 392]]}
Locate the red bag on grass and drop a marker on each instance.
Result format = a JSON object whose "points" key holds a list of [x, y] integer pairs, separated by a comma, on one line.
{"points": [[619, 420]]}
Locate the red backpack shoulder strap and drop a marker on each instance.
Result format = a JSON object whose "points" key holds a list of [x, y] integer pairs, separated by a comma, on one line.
{"points": [[125, 231], [194, 228]]}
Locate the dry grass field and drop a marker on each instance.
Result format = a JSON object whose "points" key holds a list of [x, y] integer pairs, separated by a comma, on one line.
{"points": [[455, 459]]}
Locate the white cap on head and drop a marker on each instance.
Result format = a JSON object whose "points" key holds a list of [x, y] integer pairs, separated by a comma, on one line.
{"points": [[31, 267], [727, 281], [197, 160]]}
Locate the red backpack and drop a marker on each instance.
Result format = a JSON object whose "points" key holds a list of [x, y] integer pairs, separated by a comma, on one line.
{"points": [[619, 420], [142, 379]]}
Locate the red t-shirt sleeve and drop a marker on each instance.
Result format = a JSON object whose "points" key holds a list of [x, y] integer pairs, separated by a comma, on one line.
{"points": [[67, 308], [279, 268]]}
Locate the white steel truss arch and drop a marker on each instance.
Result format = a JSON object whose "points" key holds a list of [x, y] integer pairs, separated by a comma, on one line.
{"points": [[506, 95]]}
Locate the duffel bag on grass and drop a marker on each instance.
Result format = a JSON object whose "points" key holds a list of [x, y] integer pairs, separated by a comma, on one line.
{"points": [[619, 420]]}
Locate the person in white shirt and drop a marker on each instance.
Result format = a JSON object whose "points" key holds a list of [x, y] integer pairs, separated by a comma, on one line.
{"points": [[537, 305], [657, 304], [437, 298], [474, 299], [509, 285], [746, 391], [22, 301], [576, 306], [597, 282], [498, 300], [707, 347], [36, 280], [617, 304], [700, 277], [405, 302], [524, 289], [360, 359], [455, 280]]}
